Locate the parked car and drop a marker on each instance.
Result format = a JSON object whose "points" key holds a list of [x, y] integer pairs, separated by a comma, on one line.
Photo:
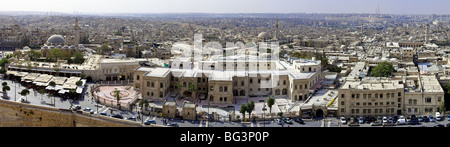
{"points": [[361, 120], [131, 118], [384, 120], [287, 120], [439, 125], [104, 114], [426, 119], [438, 116], [420, 119], [343, 120], [401, 121], [299, 120], [413, 122], [431, 118], [278, 121], [117, 116], [150, 121], [448, 117], [173, 124], [376, 123], [447, 125], [367, 120]]}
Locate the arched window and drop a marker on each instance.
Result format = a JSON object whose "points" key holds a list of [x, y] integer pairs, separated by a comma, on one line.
{"points": [[242, 93], [284, 92], [235, 93]]}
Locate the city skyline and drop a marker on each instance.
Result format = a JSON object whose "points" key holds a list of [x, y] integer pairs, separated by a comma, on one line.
{"points": [[232, 6]]}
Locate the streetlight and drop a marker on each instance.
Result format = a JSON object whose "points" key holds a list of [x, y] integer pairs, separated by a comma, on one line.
{"points": [[264, 114]]}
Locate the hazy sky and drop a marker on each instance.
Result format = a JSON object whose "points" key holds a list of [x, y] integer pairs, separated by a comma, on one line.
{"points": [[231, 6]]}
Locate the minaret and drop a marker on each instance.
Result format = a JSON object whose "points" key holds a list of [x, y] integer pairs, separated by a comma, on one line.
{"points": [[427, 27], [276, 31], [77, 33]]}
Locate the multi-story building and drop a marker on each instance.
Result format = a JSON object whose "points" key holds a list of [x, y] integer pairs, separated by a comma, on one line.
{"points": [[237, 78]]}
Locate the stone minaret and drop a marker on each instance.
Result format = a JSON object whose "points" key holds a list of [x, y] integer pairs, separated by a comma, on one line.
{"points": [[77, 33], [276, 31]]}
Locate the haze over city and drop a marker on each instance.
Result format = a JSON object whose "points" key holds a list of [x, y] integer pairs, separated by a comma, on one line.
{"points": [[231, 6]]}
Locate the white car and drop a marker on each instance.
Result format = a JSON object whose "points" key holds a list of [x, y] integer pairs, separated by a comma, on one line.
{"points": [[438, 116], [384, 120], [343, 120], [361, 120], [401, 120]]}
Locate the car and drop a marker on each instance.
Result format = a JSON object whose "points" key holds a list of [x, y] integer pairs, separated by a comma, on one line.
{"points": [[384, 120], [299, 120], [439, 125], [438, 116], [132, 118], [87, 109], [391, 120], [447, 125], [395, 119], [361, 120], [420, 119], [367, 120], [76, 107], [278, 121], [91, 112], [104, 114], [117, 116], [426, 119], [343, 120], [413, 122], [173, 124], [431, 118], [149, 121], [287, 120], [376, 123], [401, 121], [448, 117]]}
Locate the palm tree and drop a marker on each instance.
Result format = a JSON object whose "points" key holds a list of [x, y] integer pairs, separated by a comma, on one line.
{"points": [[117, 96], [42, 92], [143, 104], [270, 103]]}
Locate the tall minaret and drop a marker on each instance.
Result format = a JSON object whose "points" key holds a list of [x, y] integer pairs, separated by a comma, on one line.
{"points": [[77, 33], [276, 33]]}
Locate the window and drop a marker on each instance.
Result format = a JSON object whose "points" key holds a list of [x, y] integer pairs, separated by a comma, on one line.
{"points": [[225, 89], [148, 84], [242, 83], [342, 103], [399, 94], [225, 99], [284, 82], [137, 77], [161, 85], [221, 99], [428, 100], [220, 89]]}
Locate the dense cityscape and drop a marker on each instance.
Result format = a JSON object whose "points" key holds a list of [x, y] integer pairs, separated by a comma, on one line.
{"points": [[227, 70]]}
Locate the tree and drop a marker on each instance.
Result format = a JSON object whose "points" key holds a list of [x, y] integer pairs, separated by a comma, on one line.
{"points": [[4, 84], [250, 108], [243, 110], [42, 92], [191, 88], [24, 93], [117, 96], [52, 83], [384, 69], [143, 104], [79, 83], [270, 103], [5, 89], [442, 107], [79, 58]]}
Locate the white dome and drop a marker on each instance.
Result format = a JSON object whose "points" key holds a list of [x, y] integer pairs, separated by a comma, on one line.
{"points": [[263, 35]]}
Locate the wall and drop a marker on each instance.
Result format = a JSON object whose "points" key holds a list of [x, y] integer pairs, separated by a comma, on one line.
{"points": [[13, 114]]}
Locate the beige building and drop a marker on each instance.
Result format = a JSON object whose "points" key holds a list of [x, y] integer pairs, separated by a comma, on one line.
{"points": [[409, 95], [371, 97], [220, 85]]}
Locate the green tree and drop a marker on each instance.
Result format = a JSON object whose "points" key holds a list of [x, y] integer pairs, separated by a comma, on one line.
{"points": [[243, 110], [117, 96], [24, 93], [270, 103], [79, 83], [442, 107], [143, 104], [79, 58], [250, 108], [5, 89], [384, 69], [42, 92]]}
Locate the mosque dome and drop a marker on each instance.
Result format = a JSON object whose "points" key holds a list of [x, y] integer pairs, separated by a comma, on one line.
{"points": [[263, 35], [56, 39]]}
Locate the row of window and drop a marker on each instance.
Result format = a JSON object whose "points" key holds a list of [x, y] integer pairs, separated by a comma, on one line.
{"points": [[416, 110], [152, 85], [370, 103], [368, 111], [376, 95]]}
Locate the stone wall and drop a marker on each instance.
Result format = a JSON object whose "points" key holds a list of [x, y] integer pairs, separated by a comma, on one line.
{"points": [[14, 114]]}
